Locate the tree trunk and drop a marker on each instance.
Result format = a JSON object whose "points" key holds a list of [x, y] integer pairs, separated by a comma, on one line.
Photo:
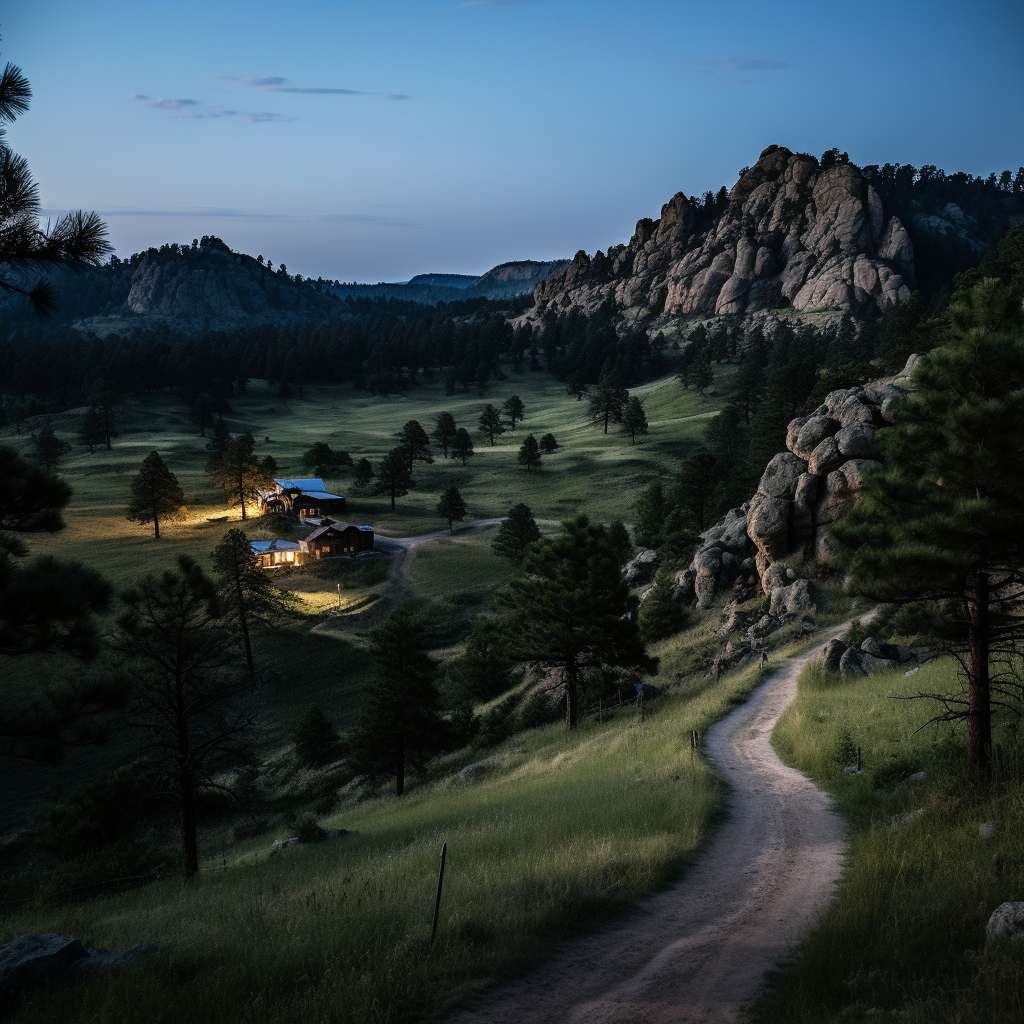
{"points": [[571, 698], [606, 413], [189, 845], [156, 526], [400, 781], [979, 708], [245, 625], [392, 501]]}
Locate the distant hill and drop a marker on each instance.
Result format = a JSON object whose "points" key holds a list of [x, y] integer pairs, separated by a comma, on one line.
{"points": [[505, 281]]}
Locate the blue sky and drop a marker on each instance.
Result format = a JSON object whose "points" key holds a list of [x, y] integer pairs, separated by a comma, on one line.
{"points": [[374, 141]]}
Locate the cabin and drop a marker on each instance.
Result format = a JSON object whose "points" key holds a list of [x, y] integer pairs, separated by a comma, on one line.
{"points": [[332, 538], [306, 497], [271, 553]]}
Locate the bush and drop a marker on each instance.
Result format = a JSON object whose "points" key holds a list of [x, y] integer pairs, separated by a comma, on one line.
{"points": [[660, 617], [252, 829], [314, 738], [309, 831]]}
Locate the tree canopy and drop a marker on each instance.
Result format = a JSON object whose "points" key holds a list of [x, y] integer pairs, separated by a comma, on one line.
{"points": [[517, 530], [156, 494], [938, 533], [394, 475], [451, 506], [572, 610], [491, 423]]}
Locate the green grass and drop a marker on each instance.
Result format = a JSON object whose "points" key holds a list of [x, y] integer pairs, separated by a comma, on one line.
{"points": [[559, 832], [905, 933]]}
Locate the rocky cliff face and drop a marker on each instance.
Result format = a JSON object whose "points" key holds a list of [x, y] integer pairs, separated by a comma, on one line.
{"points": [[791, 234], [510, 279], [801, 493]]}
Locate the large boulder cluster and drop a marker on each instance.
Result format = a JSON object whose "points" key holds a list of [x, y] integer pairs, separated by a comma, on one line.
{"points": [[802, 492], [865, 659]]}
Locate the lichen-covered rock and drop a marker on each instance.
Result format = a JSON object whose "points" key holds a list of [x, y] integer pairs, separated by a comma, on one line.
{"points": [[856, 662], [832, 654], [1006, 923], [641, 568], [801, 597]]}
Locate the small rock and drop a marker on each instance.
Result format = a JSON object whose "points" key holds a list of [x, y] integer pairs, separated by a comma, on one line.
{"points": [[280, 844], [907, 675], [31, 961], [1006, 923], [472, 771], [988, 829], [917, 777], [852, 769], [906, 819]]}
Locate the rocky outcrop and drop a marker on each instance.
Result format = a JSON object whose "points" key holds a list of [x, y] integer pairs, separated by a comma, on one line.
{"points": [[802, 492], [869, 657], [641, 568], [42, 960], [510, 279], [792, 234]]}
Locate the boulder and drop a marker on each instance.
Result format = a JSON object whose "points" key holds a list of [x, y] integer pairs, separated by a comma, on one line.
{"points": [[891, 652], [856, 662], [800, 598], [768, 525], [641, 568], [780, 476], [684, 590], [802, 516], [857, 441], [103, 961], [1006, 923], [825, 457], [766, 624], [472, 771], [34, 961], [733, 618], [832, 653], [777, 576], [811, 432]]}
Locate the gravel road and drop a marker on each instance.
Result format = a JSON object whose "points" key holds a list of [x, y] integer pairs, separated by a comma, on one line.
{"points": [[699, 950]]}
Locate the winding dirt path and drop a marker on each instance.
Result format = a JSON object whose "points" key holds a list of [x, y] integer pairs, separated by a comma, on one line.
{"points": [[699, 950]]}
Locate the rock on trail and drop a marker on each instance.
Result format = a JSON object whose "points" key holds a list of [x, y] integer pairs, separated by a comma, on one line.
{"points": [[698, 951]]}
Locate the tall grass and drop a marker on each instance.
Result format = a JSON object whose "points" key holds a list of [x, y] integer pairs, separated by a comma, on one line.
{"points": [[559, 831], [905, 933]]}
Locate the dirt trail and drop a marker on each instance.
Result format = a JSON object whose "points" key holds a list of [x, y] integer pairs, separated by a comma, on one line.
{"points": [[400, 547], [699, 950]]}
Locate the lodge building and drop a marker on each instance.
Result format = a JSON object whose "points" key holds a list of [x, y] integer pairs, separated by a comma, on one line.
{"points": [[329, 539], [306, 497]]}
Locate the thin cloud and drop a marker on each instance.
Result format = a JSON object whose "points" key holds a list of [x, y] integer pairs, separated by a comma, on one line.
{"points": [[275, 83], [160, 103]]}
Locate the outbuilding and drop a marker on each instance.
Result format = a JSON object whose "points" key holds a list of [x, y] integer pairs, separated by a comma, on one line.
{"points": [[271, 553], [333, 538], [308, 495]]}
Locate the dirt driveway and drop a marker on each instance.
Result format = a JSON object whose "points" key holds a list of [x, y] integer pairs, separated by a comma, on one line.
{"points": [[699, 950]]}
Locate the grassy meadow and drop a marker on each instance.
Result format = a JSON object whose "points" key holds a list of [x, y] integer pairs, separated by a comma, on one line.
{"points": [[905, 936], [557, 832], [320, 658]]}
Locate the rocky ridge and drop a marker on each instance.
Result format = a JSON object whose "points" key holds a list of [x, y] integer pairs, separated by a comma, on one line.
{"points": [[792, 234]]}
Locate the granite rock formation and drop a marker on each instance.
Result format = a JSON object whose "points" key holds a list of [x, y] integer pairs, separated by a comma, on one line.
{"points": [[792, 234]]}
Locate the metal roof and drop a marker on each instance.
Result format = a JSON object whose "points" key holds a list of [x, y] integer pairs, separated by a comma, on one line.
{"points": [[314, 482], [263, 546]]}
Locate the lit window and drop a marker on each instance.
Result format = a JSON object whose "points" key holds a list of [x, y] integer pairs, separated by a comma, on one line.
{"points": [[289, 556]]}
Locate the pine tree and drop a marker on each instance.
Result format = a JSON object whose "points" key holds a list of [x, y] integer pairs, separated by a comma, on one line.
{"points": [[634, 419], [47, 448], [694, 488], [572, 610], [515, 410], [608, 400], [703, 376], [91, 431], [649, 514], [490, 423], [529, 453], [940, 532], [76, 239], [400, 725], [576, 386], [451, 506], [518, 529], [413, 440], [445, 431], [314, 737], [236, 467], [321, 459], [248, 594], [394, 477], [156, 494], [178, 651], [548, 444], [364, 472], [462, 446]]}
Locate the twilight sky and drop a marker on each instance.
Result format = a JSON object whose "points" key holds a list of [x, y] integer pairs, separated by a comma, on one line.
{"points": [[377, 140]]}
